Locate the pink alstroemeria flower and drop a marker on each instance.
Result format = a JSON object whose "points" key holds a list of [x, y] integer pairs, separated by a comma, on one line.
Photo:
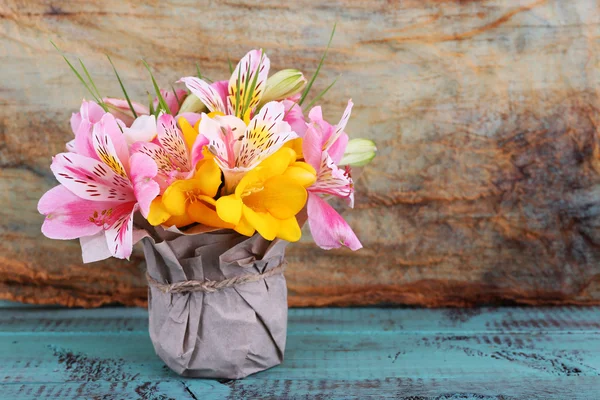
{"points": [[99, 196], [323, 147], [175, 160], [238, 101], [239, 148]]}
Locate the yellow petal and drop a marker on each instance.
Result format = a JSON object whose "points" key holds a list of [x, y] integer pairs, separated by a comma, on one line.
{"points": [[296, 145], [252, 178], [244, 227], [229, 209], [158, 214], [289, 230], [304, 165], [203, 211], [189, 133], [208, 176], [300, 176], [263, 222], [179, 221], [277, 163], [174, 197], [281, 197]]}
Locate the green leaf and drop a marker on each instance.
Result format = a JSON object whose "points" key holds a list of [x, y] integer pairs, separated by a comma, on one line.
{"points": [[312, 80], [151, 105], [122, 87], [322, 93], [78, 75], [230, 66], [200, 76], [90, 78], [250, 92], [161, 101], [176, 97]]}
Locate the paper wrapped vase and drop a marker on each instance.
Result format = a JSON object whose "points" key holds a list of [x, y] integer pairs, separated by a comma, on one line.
{"points": [[228, 332]]}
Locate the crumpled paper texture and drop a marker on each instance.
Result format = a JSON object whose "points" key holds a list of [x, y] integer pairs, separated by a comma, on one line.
{"points": [[230, 333]]}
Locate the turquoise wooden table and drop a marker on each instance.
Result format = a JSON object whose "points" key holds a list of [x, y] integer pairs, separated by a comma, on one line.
{"points": [[503, 353]]}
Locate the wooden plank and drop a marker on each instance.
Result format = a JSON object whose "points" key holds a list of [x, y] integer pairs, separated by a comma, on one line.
{"points": [[486, 189], [551, 353]]}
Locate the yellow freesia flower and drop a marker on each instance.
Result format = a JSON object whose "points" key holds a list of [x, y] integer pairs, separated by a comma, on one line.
{"points": [[192, 200], [268, 198]]}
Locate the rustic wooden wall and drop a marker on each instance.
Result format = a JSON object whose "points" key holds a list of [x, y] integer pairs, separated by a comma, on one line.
{"points": [[487, 186]]}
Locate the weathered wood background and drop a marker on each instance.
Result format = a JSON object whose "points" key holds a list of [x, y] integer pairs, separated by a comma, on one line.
{"points": [[487, 186]]}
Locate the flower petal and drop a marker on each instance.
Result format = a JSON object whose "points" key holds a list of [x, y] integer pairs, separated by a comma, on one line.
{"points": [[90, 179], [174, 198], [68, 216], [110, 145], [211, 130], [179, 221], [171, 139], [209, 96], [203, 211], [290, 230], [278, 162], [157, 153], [265, 134], [339, 128], [208, 177], [300, 175], [338, 148], [187, 130], [333, 180], [94, 248], [229, 209], [143, 172], [266, 225], [328, 228], [293, 116], [254, 65], [158, 214], [281, 197], [143, 129], [312, 146], [119, 237], [244, 227]]}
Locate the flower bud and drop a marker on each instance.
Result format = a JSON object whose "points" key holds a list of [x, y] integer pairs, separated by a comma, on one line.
{"points": [[283, 84], [192, 104], [359, 152]]}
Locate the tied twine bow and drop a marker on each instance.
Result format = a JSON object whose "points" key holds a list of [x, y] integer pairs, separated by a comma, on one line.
{"points": [[208, 286]]}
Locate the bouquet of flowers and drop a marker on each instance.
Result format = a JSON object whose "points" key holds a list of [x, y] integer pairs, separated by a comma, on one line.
{"points": [[215, 179]]}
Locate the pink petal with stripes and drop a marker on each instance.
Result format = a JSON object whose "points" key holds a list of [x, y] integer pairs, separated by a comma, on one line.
{"points": [[171, 140], [110, 145], [70, 217], [119, 236], [90, 179], [205, 93], [143, 172], [328, 228]]}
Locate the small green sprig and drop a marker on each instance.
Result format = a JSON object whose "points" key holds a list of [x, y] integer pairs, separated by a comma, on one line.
{"points": [[90, 86], [123, 88], [312, 80], [162, 104]]}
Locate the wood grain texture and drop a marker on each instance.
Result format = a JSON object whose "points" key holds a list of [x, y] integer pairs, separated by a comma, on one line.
{"points": [[487, 186], [506, 353]]}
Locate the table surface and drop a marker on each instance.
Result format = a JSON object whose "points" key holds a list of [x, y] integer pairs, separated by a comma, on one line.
{"points": [[400, 353]]}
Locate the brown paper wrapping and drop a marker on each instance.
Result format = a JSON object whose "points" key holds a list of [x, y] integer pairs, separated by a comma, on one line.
{"points": [[230, 333]]}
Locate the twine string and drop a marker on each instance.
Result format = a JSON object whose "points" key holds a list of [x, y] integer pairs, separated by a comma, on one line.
{"points": [[208, 286]]}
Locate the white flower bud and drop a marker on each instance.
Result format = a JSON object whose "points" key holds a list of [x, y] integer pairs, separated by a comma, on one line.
{"points": [[359, 152], [283, 84]]}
